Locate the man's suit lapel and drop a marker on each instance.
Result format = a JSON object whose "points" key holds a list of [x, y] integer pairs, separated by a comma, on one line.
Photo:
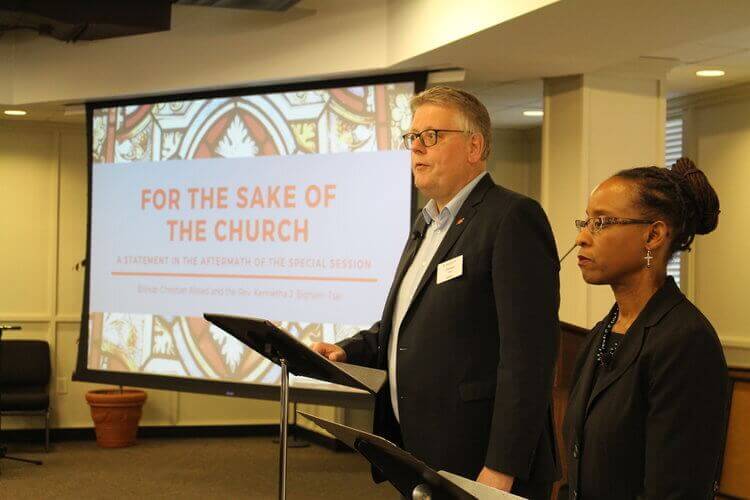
{"points": [[412, 246], [407, 257], [460, 222]]}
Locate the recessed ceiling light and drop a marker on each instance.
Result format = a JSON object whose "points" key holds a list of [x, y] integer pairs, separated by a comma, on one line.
{"points": [[710, 72], [533, 112], [14, 112]]}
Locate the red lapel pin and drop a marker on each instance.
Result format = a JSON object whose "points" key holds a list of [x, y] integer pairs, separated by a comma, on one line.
{"points": [[458, 223]]}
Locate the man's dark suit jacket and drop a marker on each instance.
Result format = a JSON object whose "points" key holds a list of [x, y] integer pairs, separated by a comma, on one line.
{"points": [[476, 353], [654, 424]]}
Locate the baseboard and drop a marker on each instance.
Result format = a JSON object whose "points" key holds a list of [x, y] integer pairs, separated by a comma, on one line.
{"points": [[181, 432]]}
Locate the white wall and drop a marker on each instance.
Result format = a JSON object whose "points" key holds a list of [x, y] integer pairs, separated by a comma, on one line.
{"points": [[717, 137], [515, 159], [509, 161]]}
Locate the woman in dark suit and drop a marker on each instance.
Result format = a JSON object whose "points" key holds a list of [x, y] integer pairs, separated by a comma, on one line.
{"points": [[647, 413]]}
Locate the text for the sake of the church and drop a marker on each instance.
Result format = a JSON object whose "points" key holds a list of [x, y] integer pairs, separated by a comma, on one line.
{"points": [[283, 229]]}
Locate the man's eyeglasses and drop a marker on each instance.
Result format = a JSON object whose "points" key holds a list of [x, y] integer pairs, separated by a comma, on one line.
{"points": [[596, 224], [428, 137]]}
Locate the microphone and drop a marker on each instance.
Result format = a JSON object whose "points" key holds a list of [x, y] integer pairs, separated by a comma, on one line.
{"points": [[567, 253], [417, 234]]}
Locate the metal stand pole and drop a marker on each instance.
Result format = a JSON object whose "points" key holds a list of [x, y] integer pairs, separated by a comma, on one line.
{"points": [[294, 441], [284, 400]]}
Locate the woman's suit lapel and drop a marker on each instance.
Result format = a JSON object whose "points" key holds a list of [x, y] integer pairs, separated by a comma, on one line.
{"points": [[583, 377], [663, 301], [625, 357]]}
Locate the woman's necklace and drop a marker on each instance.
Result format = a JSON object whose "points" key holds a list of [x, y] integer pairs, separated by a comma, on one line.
{"points": [[605, 354]]}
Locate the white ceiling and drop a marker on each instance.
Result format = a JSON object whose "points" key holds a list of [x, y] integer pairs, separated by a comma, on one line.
{"points": [[669, 39], [506, 63], [506, 102], [728, 51]]}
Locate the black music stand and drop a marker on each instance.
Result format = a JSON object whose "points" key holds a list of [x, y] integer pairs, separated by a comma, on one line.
{"points": [[3, 449], [294, 357], [409, 475]]}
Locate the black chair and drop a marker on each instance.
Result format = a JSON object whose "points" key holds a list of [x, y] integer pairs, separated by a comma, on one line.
{"points": [[24, 377]]}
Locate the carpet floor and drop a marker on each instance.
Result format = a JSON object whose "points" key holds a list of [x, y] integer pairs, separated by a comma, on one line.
{"points": [[186, 468]]}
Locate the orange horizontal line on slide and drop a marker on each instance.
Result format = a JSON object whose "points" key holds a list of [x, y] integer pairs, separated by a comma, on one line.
{"points": [[248, 276]]}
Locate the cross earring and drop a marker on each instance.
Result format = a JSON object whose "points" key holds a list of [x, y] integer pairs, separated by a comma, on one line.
{"points": [[648, 258]]}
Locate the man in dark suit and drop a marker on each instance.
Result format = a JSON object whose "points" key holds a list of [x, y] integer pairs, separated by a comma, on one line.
{"points": [[469, 331]]}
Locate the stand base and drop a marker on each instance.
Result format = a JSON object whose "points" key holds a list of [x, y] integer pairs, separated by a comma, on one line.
{"points": [[4, 456], [294, 442]]}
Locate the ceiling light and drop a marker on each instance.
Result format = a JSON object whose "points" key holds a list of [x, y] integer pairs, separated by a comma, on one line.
{"points": [[533, 112], [710, 72], [14, 112]]}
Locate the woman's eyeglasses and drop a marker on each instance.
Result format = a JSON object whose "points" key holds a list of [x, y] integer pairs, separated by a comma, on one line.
{"points": [[596, 224]]}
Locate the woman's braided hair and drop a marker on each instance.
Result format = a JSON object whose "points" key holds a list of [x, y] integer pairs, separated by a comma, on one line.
{"points": [[682, 197]]}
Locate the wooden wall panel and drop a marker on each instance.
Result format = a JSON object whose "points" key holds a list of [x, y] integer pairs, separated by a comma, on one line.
{"points": [[735, 474]]}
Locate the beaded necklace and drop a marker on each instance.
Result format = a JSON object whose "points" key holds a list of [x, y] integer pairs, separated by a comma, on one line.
{"points": [[605, 354]]}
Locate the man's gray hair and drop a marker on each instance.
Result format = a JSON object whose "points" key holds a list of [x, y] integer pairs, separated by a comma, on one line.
{"points": [[475, 117]]}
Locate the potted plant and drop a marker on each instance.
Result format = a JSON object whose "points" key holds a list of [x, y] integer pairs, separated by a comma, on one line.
{"points": [[116, 413]]}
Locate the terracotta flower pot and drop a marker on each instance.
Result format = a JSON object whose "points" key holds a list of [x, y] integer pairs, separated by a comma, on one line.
{"points": [[116, 415]]}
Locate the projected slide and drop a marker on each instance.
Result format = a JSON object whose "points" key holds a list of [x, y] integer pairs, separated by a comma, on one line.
{"points": [[291, 206]]}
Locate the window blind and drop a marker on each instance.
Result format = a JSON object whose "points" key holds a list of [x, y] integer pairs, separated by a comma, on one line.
{"points": [[673, 151]]}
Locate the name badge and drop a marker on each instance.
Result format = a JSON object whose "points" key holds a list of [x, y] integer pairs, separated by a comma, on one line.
{"points": [[450, 269]]}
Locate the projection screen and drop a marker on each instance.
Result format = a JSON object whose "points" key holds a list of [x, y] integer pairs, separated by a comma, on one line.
{"points": [[290, 203]]}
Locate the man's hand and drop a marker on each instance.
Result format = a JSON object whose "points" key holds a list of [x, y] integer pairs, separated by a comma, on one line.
{"points": [[496, 479], [330, 351]]}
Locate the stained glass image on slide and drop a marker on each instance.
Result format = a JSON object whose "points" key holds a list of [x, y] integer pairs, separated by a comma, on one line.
{"points": [[189, 347], [369, 118]]}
